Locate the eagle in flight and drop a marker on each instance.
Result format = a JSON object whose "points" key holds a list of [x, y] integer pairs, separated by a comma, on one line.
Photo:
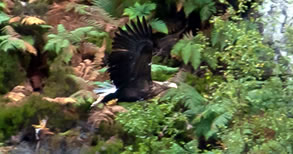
{"points": [[130, 65]]}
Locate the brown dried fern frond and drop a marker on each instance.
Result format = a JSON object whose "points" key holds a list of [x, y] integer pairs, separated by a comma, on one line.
{"points": [[9, 30], [100, 54], [19, 92], [58, 14], [65, 13], [9, 6], [30, 49], [86, 70], [15, 19], [31, 20], [106, 115]]}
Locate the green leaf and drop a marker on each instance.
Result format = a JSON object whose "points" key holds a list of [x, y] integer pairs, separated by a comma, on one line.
{"points": [[163, 68], [208, 55], [46, 26], [207, 11], [108, 6], [189, 7], [3, 17], [2, 5], [139, 10], [162, 72], [28, 38], [80, 32], [67, 56], [159, 25], [186, 53], [61, 29], [196, 56], [12, 43], [4, 37]]}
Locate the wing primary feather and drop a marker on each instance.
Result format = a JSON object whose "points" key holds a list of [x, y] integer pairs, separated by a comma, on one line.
{"points": [[140, 28], [129, 29], [131, 55], [135, 28], [145, 27]]}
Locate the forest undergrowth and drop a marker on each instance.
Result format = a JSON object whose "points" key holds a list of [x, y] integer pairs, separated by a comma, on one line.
{"points": [[233, 96]]}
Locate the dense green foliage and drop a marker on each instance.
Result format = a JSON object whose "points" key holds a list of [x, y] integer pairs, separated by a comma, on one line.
{"points": [[234, 97], [10, 72], [149, 123]]}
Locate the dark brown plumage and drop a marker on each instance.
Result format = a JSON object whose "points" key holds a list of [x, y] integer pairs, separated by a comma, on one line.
{"points": [[130, 62]]}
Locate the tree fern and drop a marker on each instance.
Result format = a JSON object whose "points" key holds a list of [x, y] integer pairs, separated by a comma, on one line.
{"points": [[14, 41], [7, 42]]}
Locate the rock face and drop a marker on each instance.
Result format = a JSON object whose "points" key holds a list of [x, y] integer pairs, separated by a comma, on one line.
{"points": [[276, 15]]}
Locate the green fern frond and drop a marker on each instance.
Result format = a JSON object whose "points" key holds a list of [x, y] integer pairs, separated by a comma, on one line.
{"points": [[61, 29], [159, 25], [7, 42], [209, 56], [56, 44], [162, 72], [189, 49], [9, 30], [3, 17], [188, 96], [106, 5], [207, 11], [63, 39], [77, 8], [2, 5], [205, 7], [80, 33], [139, 10], [214, 117]]}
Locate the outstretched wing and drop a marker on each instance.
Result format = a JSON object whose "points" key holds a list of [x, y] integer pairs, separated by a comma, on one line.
{"points": [[129, 62]]}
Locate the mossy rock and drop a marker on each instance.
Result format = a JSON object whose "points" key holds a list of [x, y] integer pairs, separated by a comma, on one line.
{"points": [[15, 118]]}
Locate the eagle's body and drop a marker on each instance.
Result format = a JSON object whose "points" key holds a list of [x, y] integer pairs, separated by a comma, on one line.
{"points": [[130, 64]]}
